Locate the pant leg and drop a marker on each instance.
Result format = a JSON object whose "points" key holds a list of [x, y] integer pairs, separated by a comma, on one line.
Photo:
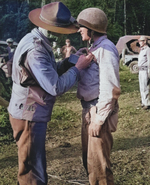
{"points": [[30, 139], [84, 136], [144, 88], [96, 153]]}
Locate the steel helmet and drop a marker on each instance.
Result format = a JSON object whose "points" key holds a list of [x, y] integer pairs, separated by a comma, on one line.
{"points": [[9, 40], [94, 19]]}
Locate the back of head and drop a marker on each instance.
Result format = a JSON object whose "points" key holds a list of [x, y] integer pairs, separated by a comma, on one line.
{"points": [[94, 19]]}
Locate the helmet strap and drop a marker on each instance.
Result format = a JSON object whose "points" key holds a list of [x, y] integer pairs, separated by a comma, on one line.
{"points": [[90, 42]]}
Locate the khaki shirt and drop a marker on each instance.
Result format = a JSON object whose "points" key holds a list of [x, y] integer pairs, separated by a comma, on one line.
{"points": [[102, 79], [144, 58]]}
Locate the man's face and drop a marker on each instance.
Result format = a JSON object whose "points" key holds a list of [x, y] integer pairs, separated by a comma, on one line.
{"points": [[67, 43], [10, 44], [84, 33], [142, 43]]}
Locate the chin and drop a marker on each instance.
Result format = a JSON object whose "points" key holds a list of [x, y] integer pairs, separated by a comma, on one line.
{"points": [[83, 39]]}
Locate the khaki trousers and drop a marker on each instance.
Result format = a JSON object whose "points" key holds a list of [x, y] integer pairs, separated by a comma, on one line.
{"points": [[30, 139], [96, 152], [144, 88]]}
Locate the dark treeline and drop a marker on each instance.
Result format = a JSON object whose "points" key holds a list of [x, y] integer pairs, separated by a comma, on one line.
{"points": [[124, 16]]}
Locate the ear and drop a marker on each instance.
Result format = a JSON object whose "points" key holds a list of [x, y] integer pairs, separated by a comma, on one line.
{"points": [[145, 41], [89, 32]]}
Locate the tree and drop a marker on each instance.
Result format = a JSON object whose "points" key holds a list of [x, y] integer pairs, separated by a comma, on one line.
{"points": [[23, 23], [43, 3]]}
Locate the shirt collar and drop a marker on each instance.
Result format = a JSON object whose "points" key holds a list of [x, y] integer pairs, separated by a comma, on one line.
{"points": [[40, 35], [144, 47], [97, 42], [42, 39]]}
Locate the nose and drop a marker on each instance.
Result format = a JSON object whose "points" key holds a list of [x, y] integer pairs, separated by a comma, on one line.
{"points": [[79, 30]]}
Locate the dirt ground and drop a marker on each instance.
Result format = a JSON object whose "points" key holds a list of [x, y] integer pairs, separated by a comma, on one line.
{"points": [[64, 161], [64, 155]]}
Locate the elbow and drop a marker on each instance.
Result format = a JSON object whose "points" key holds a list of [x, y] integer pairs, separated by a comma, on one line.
{"points": [[116, 92]]}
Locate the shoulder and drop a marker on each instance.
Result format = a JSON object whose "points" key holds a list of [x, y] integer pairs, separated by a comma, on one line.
{"points": [[109, 46], [64, 47], [73, 47], [148, 48], [106, 43]]}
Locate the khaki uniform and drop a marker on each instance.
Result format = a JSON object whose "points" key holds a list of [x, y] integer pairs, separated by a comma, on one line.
{"points": [[144, 74], [99, 86]]}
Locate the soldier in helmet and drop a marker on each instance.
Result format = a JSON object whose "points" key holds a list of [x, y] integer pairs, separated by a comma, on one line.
{"points": [[144, 72], [10, 50], [98, 90]]}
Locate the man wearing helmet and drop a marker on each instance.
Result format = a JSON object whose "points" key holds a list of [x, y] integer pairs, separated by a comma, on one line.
{"points": [[36, 84], [98, 90], [144, 72], [10, 51]]}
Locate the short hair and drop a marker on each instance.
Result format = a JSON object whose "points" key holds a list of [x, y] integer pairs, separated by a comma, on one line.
{"points": [[67, 40]]}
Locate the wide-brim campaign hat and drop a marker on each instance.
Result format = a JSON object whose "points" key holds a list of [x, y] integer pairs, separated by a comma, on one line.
{"points": [[54, 17]]}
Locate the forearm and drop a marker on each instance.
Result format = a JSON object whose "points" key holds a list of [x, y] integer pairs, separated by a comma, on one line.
{"points": [[109, 86], [63, 66]]}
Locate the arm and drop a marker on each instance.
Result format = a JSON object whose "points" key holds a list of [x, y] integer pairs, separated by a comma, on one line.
{"points": [[73, 50], [63, 66], [44, 71], [148, 61], [109, 90], [62, 49]]}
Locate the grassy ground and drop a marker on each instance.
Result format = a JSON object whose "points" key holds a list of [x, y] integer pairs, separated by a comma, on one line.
{"points": [[131, 150]]}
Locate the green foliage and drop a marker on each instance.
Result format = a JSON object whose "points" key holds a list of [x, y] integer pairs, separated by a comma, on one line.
{"points": [[68, 97], [14, 20], [128, 81], [114, 31], [5, 90], [62, 118], [5, 127]]}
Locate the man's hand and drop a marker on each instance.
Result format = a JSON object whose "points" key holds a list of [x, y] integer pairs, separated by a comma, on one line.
{"points": [[85, 51], [84, 61], [94, 129], [95, 125]]}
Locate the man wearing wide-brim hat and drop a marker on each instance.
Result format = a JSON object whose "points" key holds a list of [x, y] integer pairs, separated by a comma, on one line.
{"points": [[144, 72], [35, 85]]}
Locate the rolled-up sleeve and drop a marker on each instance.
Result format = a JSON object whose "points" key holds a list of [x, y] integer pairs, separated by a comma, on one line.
{"points": [[109, 86]]}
